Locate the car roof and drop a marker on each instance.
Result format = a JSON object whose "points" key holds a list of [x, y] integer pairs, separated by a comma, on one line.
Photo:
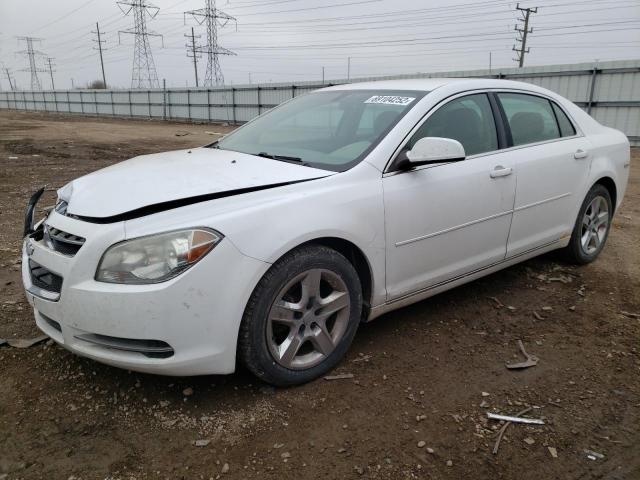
{"points": [[430, 84]]}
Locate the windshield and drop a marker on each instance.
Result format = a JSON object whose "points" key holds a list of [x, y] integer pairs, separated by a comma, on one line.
{"points": [[333, 130]]}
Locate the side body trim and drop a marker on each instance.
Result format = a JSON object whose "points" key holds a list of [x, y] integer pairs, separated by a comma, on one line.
{"points": [[490, 217], [451, 229]]}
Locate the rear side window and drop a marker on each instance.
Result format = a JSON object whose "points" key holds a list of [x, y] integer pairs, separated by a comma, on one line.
{"points": [[531, 119], [566, 127], [468, 120]]}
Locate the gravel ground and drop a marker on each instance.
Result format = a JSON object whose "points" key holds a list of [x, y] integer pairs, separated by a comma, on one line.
{"points": [[424, 377]]}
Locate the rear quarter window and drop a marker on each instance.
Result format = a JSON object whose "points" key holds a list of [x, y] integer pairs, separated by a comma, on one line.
{"points": [[566, 127]]}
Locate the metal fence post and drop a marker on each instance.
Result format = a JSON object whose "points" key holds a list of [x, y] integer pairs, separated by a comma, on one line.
{"points": [[189, 104], [149, 101], [113, 105], [592, 89], [164, 99], [259, 103], [233, 105], [130, 104], [55, 100], [209, 105]]}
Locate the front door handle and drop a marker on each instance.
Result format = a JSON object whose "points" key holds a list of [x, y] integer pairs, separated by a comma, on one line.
{"points": [[580, 154], [500, 171]]}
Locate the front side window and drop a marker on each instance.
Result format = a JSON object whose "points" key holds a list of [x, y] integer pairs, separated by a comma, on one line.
{"points": [[332, 130], [531, 118], [468, 120]]}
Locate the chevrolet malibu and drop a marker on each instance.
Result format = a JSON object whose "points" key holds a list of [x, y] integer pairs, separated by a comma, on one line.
{"points": [[270, 246]]}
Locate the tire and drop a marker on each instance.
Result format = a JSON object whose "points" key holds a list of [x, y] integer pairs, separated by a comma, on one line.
{"points": [[301, 317], [590, 234]]}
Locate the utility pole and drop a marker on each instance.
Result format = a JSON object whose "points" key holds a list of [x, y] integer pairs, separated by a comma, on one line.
{"points": [[195, 53], [6, 71], [72, 84], [322, 75], [214, 19], [522, 33], [144, 73], [99, 41], [53, 85], [348, 68], [31, 55]]}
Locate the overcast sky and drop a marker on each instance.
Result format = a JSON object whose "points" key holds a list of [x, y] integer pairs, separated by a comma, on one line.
{"points": [[291, 40]]}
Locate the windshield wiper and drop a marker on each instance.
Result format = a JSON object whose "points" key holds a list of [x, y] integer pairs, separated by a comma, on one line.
{"points": [[282, 158]]}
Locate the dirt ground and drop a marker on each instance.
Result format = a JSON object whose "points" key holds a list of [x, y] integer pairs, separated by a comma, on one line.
{"points": [[424, 377]]}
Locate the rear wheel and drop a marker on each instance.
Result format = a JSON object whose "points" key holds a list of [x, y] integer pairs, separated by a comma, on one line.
{"points": [[302, 316], [592, 226]]}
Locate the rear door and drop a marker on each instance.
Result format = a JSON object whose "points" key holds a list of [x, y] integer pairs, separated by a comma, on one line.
{"points": [[552, 160]]}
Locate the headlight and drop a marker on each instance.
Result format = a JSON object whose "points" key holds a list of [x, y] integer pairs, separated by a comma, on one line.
{"points": [[155, 258]]}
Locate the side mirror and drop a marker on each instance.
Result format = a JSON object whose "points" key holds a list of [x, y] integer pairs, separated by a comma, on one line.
{"points": [[433, 150]]}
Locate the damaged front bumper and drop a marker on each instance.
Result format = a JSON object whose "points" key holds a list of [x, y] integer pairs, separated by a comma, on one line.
{"points": [[185, 326]]}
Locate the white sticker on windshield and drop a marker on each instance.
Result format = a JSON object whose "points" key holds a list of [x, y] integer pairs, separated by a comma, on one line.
{"points": [[390, 100]]}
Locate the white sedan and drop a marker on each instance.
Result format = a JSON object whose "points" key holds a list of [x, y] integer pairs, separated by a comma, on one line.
{"points": [[271, 245]]}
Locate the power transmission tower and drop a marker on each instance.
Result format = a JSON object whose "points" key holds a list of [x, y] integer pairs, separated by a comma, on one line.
{"points": [[144, 73], [53, 85], [31, 55], [99, 41], [195, 51], [214, 19], [522, 33]]}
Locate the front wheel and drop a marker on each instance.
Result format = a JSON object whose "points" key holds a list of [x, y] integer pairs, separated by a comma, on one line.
{"points": [[592, 226], [301, 317]]}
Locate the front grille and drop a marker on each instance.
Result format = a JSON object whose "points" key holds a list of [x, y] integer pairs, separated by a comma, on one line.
{"points": [[62, 242], [43, 278]]}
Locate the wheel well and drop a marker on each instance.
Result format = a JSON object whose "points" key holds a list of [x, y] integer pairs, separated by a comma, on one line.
{"points": [[359, 261], [610, 185]]}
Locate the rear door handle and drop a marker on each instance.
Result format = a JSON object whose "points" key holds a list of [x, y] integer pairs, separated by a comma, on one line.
{"points": [[500, 171], [580, 154]]}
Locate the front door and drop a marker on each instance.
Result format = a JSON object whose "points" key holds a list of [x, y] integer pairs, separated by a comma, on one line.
{"points": [[443, 221]]}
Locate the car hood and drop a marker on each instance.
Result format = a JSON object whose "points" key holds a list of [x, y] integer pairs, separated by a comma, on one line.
{"points": [[166, 180]]}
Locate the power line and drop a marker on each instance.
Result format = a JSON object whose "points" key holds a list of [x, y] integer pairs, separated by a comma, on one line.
{"points": [[523, 32], [62, 17], [213, 18], [429, 40], [99, 41], [144, 69]]}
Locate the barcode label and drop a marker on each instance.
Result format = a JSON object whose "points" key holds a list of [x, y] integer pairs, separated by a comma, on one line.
{"points": [[390, 100]]}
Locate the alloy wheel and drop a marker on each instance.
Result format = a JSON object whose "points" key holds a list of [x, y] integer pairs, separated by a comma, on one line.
{"points": [[308, 318], [595, 223]]}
